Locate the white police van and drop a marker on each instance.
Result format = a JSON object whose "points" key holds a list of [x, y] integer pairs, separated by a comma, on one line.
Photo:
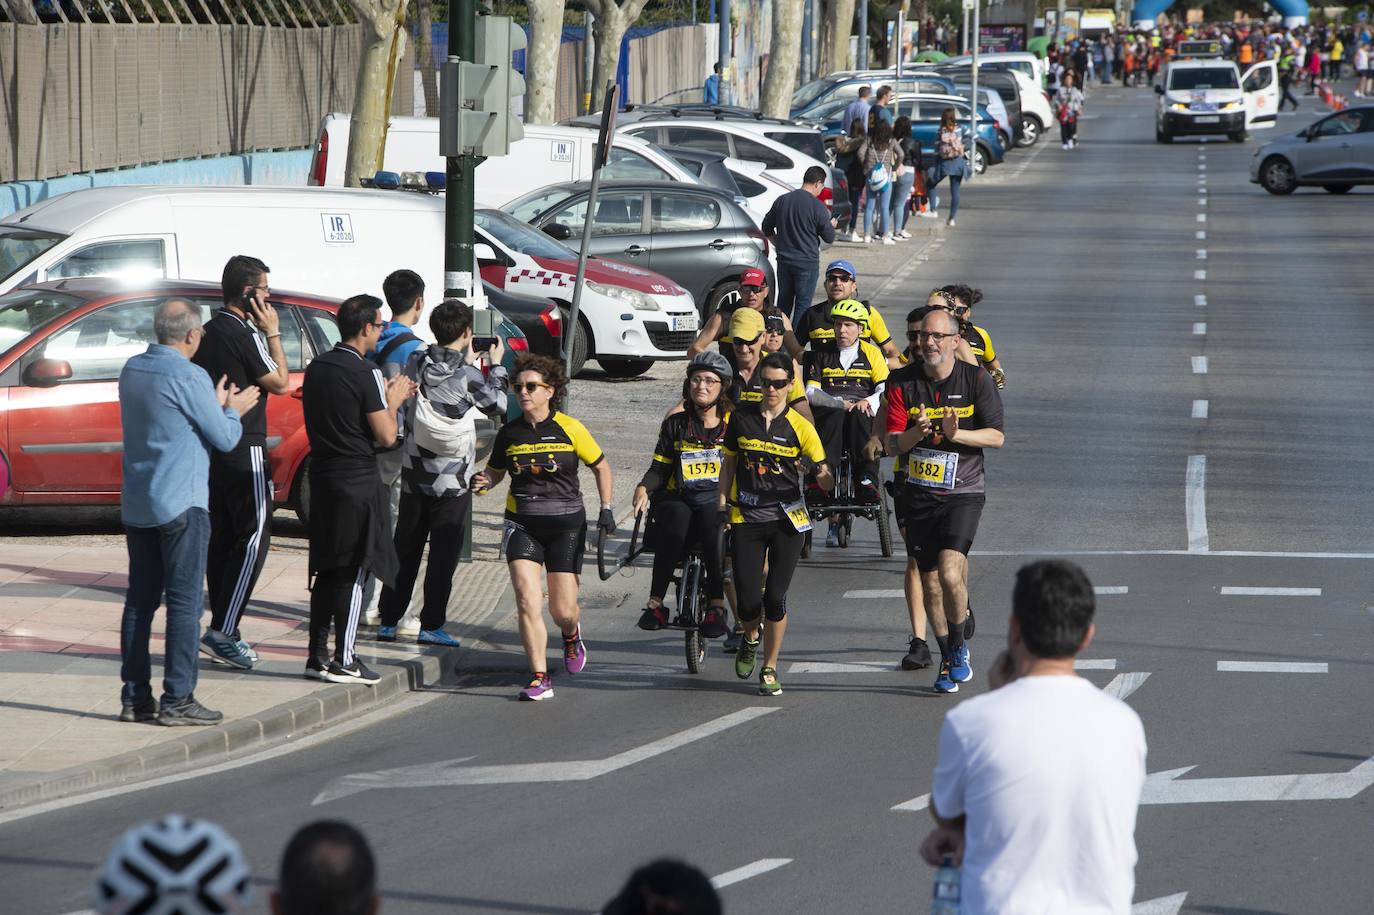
{"points": [[1203, 94]]}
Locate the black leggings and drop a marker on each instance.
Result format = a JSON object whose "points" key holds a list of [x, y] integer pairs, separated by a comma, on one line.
{"points": [[750, 545], [1067, 130], [677, 524]]}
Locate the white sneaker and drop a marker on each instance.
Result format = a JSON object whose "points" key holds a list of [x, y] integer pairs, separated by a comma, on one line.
{"points": [[929, 214], [1063, 146], [887, 240], [372, 617], [868, 239], [904, 235], [950, 223], [852, 236], [1072, 144], [409, 625]]}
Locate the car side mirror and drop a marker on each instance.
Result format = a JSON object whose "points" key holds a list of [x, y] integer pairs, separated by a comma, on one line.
{"points": [[558, 231], [46, 373], [1159, 90], [484, 252]]}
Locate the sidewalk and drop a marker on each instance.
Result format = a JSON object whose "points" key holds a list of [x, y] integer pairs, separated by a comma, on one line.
{"points": [[60, 609]]}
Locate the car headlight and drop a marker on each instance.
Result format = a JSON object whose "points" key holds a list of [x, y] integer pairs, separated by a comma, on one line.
{"points": [[1179, 106], [636, 300], [1227, 106]]}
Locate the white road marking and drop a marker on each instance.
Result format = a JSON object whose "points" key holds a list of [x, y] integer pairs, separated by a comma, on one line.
{"points": [[1199, 409], [1201, 217], [834, 667], [1094, 664], [916, 803], [1202, 254], [1167, 788], [1164, 905], [1199, 365], [1195, 503], [1236, 591], [1123, 685], [1201, 167], [1199, 328], [1236, 554], [740, 874], [1199, 274], [1202, 201], [1272, 667], [452, 772], [1201, 235], [872, 593], [1200, 301], [1111, 589]]}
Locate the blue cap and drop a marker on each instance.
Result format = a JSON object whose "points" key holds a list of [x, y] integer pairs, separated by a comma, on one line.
{"points": [[844, 265]]}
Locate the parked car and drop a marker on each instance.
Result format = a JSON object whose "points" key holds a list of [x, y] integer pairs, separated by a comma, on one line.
{"points": [[1035, 111], [710, 168], [62, 346], [1021, 61], [925, 112], [518, 258], [845, 87], [697, 236], [740, 140], [1334, 153]]}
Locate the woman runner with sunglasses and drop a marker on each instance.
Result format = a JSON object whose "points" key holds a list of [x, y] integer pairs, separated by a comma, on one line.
{"points": [[545, 521]]}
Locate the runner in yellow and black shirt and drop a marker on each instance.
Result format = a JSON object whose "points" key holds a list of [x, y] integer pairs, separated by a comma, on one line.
{"points": [[767, 453], [746, 332], [814, 327]]}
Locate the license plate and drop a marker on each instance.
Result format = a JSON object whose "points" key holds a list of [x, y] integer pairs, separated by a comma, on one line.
{"points": [[1205, 106], [684, 322], [1209, 119]]}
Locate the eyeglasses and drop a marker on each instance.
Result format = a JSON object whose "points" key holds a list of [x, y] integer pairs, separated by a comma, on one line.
{"points": [[704, 379], [777, 384], [738, 342], [917, 336], [752, 290], [529, 387]]}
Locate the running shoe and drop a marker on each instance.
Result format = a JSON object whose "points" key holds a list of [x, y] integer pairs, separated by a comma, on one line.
{"points": [[746, 658], [713, 624], [223, 650], [950, 223], [960, 669], [139, 711], [357, 672], [386, 633], [372, 617], [437, 637], [315, 669], [769, 684], [540, 688], [968, 625], [653, 619], [409, 625], [917, 656], [574, 653], [247, 649], [732, 641], [832, 534], [943, 682], [188, 713]]}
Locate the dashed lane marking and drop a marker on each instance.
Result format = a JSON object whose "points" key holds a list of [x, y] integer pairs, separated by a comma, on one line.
{"points": [[1111, 589], [1237, 591], [1199, 409], [874, 593], [1202, 217], [1200, 235], [1094, 664], [1199, 365], [1199, 328], [1202, 254], [1199, 274], [848, 667], [1195, 503], [740, 874], [1205, 554], [1272, 667], [1200, 301]]}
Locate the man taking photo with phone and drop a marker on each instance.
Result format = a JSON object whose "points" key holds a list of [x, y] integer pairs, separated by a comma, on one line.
{"points": [[241, 493]]}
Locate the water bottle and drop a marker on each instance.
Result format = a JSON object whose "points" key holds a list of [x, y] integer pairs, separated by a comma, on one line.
{"points": [[944, 899]]}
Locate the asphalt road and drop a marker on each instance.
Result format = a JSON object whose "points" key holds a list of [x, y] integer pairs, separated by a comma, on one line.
{"points": [[1089, 261]]}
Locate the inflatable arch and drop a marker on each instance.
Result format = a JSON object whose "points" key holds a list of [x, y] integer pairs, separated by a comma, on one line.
{"points": [[1294, 12]]}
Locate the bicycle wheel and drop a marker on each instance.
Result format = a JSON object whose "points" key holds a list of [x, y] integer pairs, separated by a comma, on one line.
{"points": [[689, 611], [884, 523], [846, 525]]}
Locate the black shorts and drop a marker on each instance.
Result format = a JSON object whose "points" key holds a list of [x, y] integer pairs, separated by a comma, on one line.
{"points": [[556, 543], [934, 524]]}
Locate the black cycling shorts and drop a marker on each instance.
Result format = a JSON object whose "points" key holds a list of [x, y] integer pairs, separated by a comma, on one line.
{"points": [[934, 524], [556, 543]]}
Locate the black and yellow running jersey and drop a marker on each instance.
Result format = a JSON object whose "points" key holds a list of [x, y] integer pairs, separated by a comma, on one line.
{"points": [[825, 369], [979, 341], [816, 326], [542, 462], [751, 391], [767, 456], [686, 459]]}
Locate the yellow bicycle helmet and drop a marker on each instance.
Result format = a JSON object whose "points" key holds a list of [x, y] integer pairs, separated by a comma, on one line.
{"points": [[850, 310]]}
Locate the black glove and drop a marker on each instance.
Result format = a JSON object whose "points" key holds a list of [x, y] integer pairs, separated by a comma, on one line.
{"points": [[606, 521]]}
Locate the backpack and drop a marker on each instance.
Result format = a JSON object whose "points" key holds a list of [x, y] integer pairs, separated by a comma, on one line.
{"points": [[878, 177], [379, 356]]}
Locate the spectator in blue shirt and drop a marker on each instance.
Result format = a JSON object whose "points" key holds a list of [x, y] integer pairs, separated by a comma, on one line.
{"points": [[710, 93], [172, 416], [857, 110]]}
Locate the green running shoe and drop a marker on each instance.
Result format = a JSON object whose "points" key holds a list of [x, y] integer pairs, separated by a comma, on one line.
{"points": [[746, 658], [769, 684]]}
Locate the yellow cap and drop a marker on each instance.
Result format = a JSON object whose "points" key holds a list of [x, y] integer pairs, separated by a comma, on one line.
{"points": [[745, 324]]}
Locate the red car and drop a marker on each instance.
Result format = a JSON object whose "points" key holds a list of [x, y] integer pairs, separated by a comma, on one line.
{"points": [[62, 345]]}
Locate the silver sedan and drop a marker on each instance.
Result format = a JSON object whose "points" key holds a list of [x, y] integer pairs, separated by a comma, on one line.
{"points": [[1335, 153]]}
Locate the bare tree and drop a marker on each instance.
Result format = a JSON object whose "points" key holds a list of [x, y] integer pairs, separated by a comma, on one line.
{"points": [[612, 19], [428, 75], [839, 24], [784, 58], [367, 130], [541, 59], [20, 11]]}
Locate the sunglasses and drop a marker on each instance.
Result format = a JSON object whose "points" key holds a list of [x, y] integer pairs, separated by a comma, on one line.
{"points": [[738, 342], [752, 290], [838, 278], [529, 387], [777, 384]]}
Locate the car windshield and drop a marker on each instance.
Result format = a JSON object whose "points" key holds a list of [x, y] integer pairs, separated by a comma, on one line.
{"points": [[19, 247], [808, 143], [520, 236], [1203, 78], [536, 203], [811, 91], [23, 312]]}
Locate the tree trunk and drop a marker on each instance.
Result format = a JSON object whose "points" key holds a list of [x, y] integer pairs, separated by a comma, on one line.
{"points": [[612, 19], [839, 18], [784, 57], [923, 40], [429, 80], [541, 60], [367, 129], [21, 12]]}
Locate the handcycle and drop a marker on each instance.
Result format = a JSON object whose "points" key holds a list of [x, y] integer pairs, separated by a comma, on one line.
{"points": [[689, 583], [844, 502]]}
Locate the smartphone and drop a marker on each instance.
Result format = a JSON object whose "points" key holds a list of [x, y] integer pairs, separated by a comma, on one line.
{"points": [[773, 324], [483, 330]]}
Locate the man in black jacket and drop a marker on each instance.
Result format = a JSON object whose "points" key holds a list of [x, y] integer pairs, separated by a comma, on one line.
{"points": [[797, 223]]}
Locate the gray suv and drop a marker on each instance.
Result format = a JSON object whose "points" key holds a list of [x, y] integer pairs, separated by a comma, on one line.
{"points": [[1335, 153], [696, 236]]}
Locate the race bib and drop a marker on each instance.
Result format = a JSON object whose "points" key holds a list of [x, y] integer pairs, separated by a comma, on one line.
{"points": [[933, 469], [700, 469], [796, 513]]}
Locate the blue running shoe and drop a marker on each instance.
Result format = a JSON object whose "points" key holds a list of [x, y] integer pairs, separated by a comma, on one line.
{"points": [[386, 633], [221, 649], [438, 637], [943, 682], [960, 670]]}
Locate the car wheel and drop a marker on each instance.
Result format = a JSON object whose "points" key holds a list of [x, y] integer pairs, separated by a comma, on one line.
{"points": [[1276, 176], [1030, 131], [1336, 188], [580, 344], [726, 293], [625, 368], [300, 500], [830, 155], [980, 160], [1162, 137], [1004, 139]]}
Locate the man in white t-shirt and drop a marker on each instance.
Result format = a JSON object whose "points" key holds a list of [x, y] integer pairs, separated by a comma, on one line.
{"points": [[1038, 781]]}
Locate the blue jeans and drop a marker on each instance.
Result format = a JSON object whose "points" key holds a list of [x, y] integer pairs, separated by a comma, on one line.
{"points": [[882, 200], [796, 285], [954, 182], [904, 183], [169, 560]]}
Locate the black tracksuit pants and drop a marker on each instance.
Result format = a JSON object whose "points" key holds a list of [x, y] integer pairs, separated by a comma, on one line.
{"points": [[240, 532], [336, 599], [443, 522]]}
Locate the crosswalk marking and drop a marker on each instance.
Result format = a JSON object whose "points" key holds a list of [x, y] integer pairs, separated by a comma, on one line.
{"points": [[1272, 667], [1235, 591]]}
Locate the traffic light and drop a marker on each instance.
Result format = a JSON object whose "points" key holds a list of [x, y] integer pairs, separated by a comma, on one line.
{"points": [[475, 117]]}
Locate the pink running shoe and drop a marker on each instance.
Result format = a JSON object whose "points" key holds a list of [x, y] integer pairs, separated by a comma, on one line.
{"points": [[574, 653], [541, 687]]}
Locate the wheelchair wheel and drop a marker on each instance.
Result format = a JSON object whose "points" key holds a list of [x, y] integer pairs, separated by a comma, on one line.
{"points": [[846, 525], [696, 650], [884, 523]]}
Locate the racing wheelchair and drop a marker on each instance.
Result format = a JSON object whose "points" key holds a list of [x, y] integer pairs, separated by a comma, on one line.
{"points": [[845, 503]]}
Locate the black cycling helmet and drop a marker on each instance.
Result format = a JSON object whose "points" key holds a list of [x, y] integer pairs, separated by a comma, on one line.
{"points": [[712, 362]]}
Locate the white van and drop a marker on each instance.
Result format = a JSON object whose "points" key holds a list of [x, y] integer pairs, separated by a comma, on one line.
{"points": [[1205, 96], [547, 155], [325, 241]]}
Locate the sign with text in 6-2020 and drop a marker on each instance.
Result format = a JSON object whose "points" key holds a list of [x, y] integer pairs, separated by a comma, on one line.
{"points": [[338, 228]]}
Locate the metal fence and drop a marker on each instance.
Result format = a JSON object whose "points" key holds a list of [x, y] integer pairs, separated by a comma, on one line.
{"points": [[79, 97]]}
